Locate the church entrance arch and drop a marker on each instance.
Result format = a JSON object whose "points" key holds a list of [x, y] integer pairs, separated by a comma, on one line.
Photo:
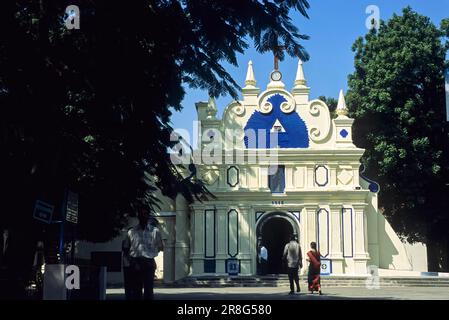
{"points": [[273, 231]]}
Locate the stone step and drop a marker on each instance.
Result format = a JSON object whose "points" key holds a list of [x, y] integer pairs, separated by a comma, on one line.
{"points": [[281, 281]]}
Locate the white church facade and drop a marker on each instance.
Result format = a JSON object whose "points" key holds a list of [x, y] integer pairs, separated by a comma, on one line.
{"points": [[298, 172]]}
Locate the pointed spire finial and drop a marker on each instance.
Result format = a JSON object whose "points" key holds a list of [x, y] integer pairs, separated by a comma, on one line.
{"points": [[250, 78], [211, 108], [342, 109], [300, 79]]}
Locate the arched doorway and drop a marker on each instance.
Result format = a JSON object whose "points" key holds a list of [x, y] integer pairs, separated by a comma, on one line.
{"points": [[274, 231]]}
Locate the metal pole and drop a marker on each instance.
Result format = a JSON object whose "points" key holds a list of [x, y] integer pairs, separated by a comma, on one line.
{"points": [[61, 243], [61, 233], [72, 258]]}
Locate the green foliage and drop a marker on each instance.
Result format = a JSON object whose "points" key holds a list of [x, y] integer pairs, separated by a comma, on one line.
{"points": [[90, 109], [398, 100]]}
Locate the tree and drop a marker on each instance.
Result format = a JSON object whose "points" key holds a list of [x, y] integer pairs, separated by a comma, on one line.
{"points": [[89, 109], [397, 97]]}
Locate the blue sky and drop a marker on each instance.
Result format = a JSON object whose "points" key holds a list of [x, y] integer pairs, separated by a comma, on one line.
{"points": [[333, 27]]}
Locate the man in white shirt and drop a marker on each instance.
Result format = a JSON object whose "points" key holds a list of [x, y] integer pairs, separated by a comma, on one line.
{"points": [[127, 272], [293, 255], [142, 244], [263, 259], [4, 248]]}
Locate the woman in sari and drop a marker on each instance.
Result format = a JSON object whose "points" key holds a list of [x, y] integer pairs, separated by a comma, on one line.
{"points": [[313, 256]]}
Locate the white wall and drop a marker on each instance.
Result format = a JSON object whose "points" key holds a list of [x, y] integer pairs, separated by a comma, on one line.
{"points": [[418, 255]]}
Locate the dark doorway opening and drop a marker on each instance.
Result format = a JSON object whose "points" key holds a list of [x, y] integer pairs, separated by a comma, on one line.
{"points": [[275, 235]]}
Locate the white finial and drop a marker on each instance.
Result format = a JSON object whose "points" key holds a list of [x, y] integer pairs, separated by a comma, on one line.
{"points": [[250, 78], [300, 79], [211, 108], [342, 109]]}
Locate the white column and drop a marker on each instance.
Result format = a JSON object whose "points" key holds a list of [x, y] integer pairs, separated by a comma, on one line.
{"points": [[310, 172], [169, 249], [361, 255], [356, 175], [333, 175], [197, 254], [253, 178], [251, 219], [182, 239], [336, 250], [263, 178], [243, 177], [310, 226], [245, 236], [223, 178], [221, 232], [289, 177]]}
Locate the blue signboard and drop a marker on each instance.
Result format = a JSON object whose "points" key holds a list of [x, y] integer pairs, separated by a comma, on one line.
{"points": [[233, 267], [43, 211], [326, 267]]}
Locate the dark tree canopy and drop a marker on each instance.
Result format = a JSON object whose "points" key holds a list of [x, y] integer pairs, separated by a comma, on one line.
{"points": [[398, 100], [89, 109]]}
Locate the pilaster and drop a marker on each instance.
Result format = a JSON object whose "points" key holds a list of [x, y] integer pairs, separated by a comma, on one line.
{"points": [[336, 250]]}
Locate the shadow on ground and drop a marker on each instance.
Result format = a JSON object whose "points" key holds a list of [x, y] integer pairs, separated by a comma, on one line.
{"points": [[249, 296]]}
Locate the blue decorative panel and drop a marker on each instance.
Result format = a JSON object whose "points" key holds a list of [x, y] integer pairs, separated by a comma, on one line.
{"points": [[373, 185], [295, 135], [344, 133], [232, 266], [209, 266], [326, 267], [233, 233]]}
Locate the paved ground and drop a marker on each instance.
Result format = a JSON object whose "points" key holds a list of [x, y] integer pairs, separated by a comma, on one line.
{"points": [[281, 293]]}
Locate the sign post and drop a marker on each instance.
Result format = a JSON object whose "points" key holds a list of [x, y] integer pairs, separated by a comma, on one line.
{"points": [[71, 215], [43, 211], [72, 207], [326, 267]]}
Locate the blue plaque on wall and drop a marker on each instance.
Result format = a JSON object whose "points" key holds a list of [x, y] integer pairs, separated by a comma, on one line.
{"points": [[233, 267], [326, 267]]}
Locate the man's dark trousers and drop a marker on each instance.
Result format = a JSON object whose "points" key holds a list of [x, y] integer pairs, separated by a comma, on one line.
{"points": [[293, 276], [128, 280], [263, 266], [143, 278]]}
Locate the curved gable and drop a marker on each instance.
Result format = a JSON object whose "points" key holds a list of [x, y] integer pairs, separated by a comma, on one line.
{"points": [[259, 131]]}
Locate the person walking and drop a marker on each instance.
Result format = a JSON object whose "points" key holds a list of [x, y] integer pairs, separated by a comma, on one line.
{"points": [[4, 244], [127, 272], [314, 280], [293, 255], [263, 259], [144, 242]]}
